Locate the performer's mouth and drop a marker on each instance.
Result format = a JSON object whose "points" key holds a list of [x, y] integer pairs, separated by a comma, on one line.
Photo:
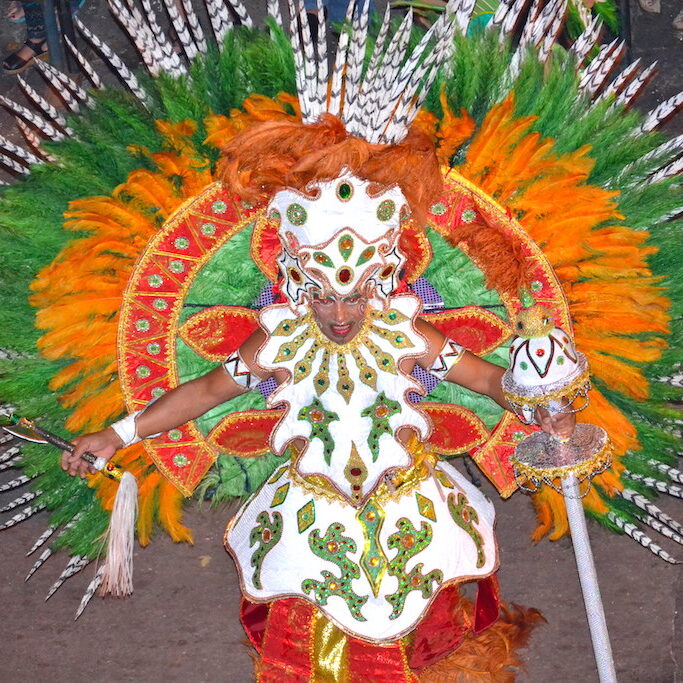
{"points": [[341, 330]]}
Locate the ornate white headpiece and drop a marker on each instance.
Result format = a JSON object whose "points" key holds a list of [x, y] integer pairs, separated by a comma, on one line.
{"points": [[338, 236]]}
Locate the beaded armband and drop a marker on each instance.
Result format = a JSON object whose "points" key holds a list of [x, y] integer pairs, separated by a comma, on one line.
{"points": [[450, 354], [239, 371]]}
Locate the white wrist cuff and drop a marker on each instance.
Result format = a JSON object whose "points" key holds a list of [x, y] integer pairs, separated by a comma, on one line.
{"points": [[126, 428]]}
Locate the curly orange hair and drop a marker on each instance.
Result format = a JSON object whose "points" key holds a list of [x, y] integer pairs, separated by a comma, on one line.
{"points": [[276, 154]]}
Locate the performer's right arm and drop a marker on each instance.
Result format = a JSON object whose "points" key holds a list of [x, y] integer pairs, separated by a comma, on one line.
{"points": [[188, 401]]}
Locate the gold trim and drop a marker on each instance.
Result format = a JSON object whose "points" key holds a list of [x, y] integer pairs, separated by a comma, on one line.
{"points": [[171, 320], [475, 312], [580, 386], [582, 470]]}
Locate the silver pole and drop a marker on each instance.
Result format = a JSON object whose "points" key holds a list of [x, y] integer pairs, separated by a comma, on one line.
{"points": [[589, 581]]}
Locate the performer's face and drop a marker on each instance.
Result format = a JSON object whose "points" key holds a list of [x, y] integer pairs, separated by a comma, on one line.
{"points": [[339, 317]]}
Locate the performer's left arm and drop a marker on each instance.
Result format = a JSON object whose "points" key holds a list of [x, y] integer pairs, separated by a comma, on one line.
{"points": [[454, 364]]}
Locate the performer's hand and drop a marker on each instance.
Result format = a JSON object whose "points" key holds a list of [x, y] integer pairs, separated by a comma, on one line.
{"points": [[101, 444], [560, 424]]}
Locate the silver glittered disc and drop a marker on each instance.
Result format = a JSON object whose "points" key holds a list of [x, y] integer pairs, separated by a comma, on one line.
{"points": [[541, 451]]}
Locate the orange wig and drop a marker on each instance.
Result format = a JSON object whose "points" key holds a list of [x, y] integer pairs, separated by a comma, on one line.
{"points": [[277, 154]]}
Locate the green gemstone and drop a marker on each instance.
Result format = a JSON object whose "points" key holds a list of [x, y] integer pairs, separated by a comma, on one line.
{"points": [[536, 286], [154, 348], [142, 325], [399, 339], [286, 352], [181, 243], [523, 365], [296, 214], [208, 229], [560, 360], [518, 436], [143, 371], [392, 315], [468, 215], [386, 210], [438, 209], [175, 435], [160, 304], [155, 280], [176, 267], [180, 460], [345, 191], [219, 206], [158, 392]]}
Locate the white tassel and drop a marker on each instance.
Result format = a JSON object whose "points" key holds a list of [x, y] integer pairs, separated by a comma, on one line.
{"points": [[117, 578]]}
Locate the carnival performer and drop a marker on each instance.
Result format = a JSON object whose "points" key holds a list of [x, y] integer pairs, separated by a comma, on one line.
{"points": [[361, 491]]}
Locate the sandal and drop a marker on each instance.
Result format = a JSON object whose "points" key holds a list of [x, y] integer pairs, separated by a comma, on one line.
{"points": [[14, 64], [15, 12]]}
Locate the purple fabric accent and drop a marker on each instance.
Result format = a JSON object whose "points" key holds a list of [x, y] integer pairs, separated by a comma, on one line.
{"points": [[265, 298], [426, 379], [431, 299], [268, 387]]}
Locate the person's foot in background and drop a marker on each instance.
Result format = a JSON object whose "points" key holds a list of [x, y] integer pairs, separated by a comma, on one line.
{"points": [[652, 6], [677, 23]]}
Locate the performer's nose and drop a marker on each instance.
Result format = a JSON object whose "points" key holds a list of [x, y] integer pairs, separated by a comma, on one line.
{"points": [[339, 311]]}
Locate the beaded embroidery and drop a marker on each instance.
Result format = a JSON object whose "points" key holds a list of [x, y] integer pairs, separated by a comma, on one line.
{"points": [[380, 412], [356, 473], [373, 561], [305, 516], [465, 516], [319, 419], [266, 533], [334, 547], [408, 541]]}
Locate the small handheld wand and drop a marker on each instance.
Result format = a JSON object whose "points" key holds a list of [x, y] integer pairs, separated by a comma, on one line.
{"points": [[26, 429], [115, 576]]}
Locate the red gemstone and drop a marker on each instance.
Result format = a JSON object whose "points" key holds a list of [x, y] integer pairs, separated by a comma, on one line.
{"points": [[344, 275], [356, 487], [386, 272], [355, 471], [540, 352]]}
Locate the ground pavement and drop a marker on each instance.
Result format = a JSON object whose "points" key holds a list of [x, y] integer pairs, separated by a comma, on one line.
{"points": [[182, 622]]}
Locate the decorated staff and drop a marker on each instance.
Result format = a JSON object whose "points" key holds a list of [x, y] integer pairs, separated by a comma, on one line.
{"points": [[548, 374], [115, 577]]}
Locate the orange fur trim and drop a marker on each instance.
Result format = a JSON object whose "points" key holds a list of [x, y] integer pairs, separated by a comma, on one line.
{"points": [[488, 657]]}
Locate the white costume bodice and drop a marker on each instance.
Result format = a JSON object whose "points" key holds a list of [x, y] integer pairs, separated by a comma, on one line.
{"points": [[354, 523], [346, 401]]}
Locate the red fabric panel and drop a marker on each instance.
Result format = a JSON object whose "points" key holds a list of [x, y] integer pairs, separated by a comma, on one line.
{"points": [[441, 630], [487, 605], [286, 644], [377, 663], [254, 617]]}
